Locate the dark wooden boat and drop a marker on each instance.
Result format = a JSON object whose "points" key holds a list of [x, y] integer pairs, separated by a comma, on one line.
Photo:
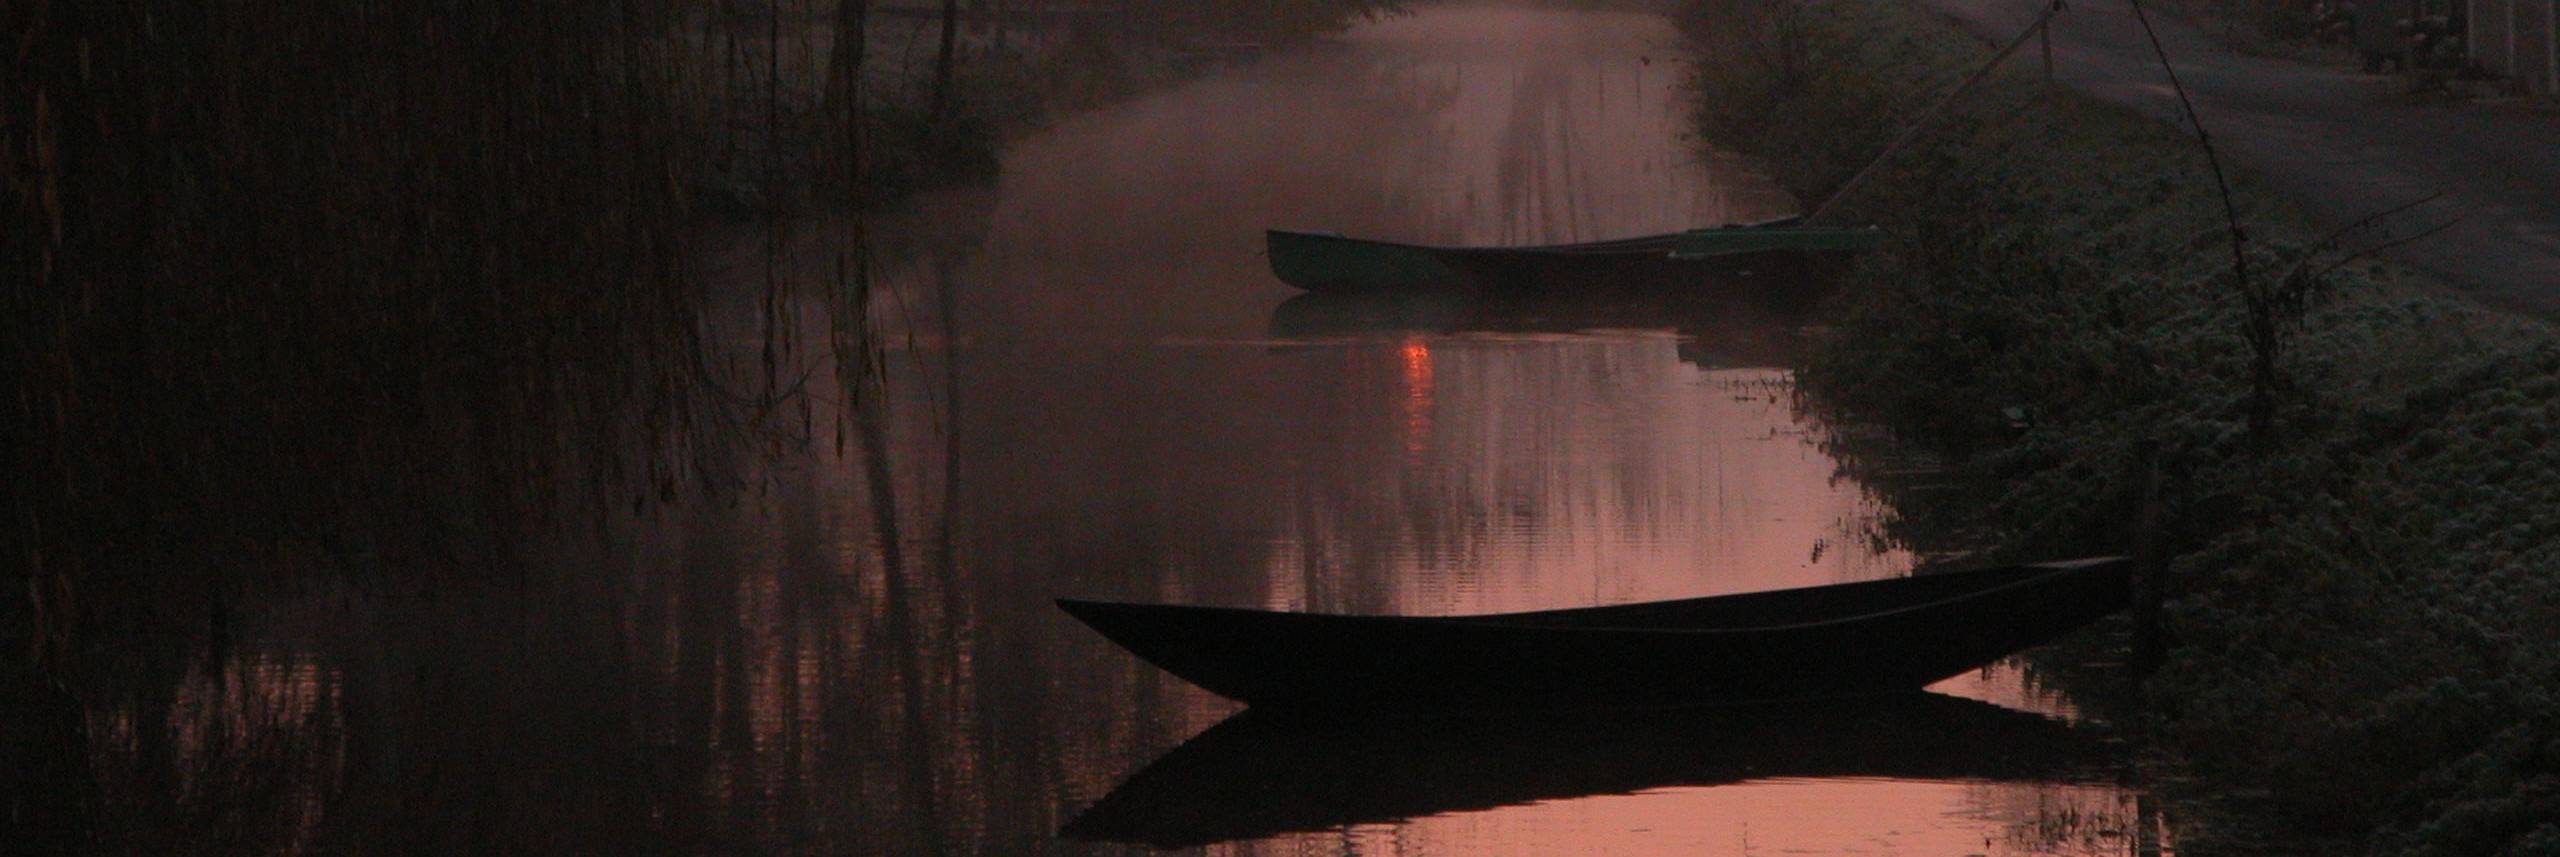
{"points": [[1331, 263], [1823, 641], [1263, 773]]}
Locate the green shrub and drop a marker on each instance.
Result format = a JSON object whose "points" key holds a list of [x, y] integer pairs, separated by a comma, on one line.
{"points": [[2365, 601]]}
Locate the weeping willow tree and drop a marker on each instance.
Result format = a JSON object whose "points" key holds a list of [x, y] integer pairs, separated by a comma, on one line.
{"points": [[305, 283], [302, 282]]}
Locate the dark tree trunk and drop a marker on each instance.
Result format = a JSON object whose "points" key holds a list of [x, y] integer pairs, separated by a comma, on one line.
{"points": [[942, 64], [844, 97]]}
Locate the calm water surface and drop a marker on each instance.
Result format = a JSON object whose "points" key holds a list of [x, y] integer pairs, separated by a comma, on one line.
{"points": [[1139, 415]]}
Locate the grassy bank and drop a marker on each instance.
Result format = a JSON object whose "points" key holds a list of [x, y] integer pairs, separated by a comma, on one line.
{"points": [[2364, 587]]}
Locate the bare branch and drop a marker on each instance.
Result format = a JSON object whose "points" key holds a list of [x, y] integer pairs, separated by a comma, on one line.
{"points": [[2421, 234], [2337, 237]]}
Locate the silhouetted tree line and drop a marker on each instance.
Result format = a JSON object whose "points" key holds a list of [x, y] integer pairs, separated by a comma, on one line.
{"points": [[1266, 20]]}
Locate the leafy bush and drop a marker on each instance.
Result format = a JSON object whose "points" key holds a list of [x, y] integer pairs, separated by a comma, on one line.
{"points": [[2365, 600]]}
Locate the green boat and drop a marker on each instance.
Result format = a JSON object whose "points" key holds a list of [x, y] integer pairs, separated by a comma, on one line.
{"points": [[1331, 263]]}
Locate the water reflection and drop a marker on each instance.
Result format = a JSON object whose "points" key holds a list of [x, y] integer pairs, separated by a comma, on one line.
{"points": [[243, 751], [1259, 775], [1715, 329], [1111, 407]]}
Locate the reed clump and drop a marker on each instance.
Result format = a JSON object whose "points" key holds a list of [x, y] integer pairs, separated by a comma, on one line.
{"points": [[2361, 599]]}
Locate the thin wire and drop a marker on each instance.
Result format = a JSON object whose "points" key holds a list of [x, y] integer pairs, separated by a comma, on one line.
{"points": [[1921, 124], [2230, 213]]}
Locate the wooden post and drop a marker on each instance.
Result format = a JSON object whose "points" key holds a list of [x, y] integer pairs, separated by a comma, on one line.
{"points": [[2146, 824], [2044, 35], [2149, 567], [2470, 29]]}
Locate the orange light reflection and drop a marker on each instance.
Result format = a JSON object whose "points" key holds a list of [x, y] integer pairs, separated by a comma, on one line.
{"points": [[1417, 396]]}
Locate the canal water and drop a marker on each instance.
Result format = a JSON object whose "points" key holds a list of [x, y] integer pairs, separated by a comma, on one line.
{"points": [[1094, 389]]}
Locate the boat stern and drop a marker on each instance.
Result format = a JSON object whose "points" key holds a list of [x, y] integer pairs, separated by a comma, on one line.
{"points": [[1330, 263]]}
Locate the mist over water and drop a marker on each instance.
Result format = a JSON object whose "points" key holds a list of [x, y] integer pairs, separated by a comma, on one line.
{"points": [[1477, 125], [1128, 422]]}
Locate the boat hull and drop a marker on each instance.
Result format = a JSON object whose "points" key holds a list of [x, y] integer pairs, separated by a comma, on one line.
{"points": [[1328, 263], [1854, 639]]}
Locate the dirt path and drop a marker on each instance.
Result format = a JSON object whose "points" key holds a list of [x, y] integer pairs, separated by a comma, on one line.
{"points": [[2343, 143]]}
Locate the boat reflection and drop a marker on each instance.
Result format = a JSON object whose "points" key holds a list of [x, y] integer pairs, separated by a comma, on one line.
{"points": [[1716, 331], [1261, 773]]}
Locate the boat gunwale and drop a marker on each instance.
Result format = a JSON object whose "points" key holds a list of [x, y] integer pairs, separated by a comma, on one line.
{"points": [[1668, 240], [1509, 621], [1664, 241]]}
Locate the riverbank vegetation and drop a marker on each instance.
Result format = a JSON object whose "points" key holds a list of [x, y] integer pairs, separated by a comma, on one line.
{"points": [[2362, 589]]}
